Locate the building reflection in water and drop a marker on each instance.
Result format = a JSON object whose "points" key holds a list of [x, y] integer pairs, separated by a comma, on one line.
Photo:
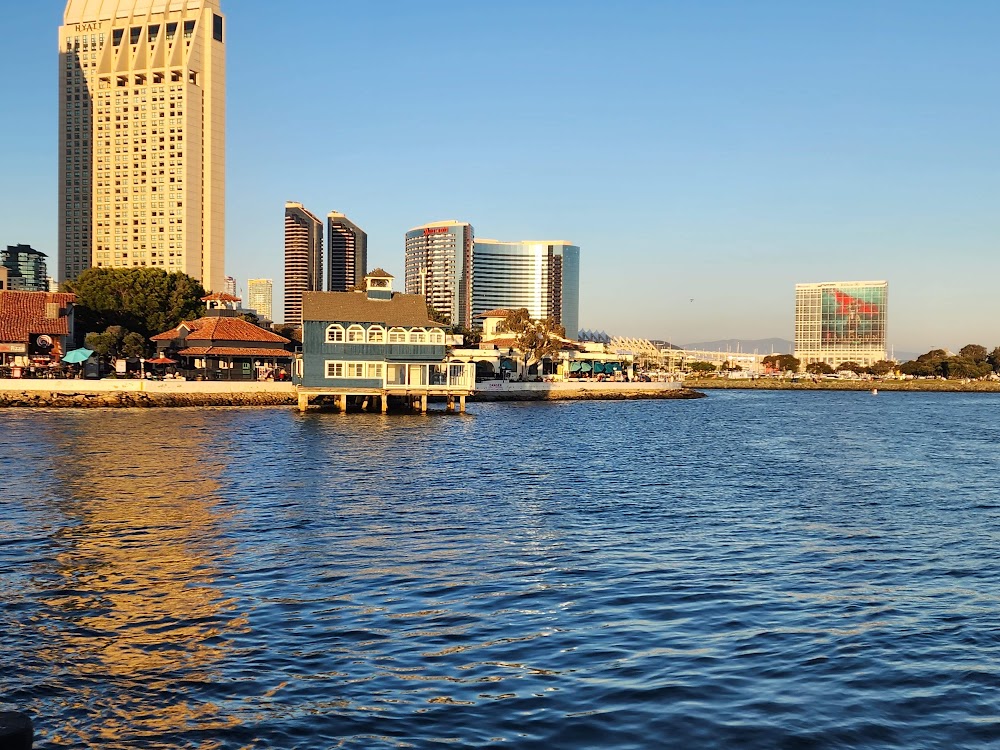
{"points": [[133, 593]]}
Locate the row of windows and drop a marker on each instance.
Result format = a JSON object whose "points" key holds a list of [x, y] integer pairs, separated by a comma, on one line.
{"points": [[355, 334], [369, 370]]}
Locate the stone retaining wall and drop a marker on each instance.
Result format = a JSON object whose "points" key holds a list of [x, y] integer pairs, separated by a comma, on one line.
{"points": [[133, 399]]}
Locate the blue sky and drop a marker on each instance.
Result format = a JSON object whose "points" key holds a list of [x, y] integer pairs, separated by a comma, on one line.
{"points": [[717, 151]]}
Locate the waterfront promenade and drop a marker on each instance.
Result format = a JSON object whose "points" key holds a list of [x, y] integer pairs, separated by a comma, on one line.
{"points": [[178, 393]]}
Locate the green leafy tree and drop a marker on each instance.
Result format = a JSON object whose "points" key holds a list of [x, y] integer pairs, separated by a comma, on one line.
{"points": [[147, 301], [994, 359], [962, 367], [535, 339], [852, 367], [819, 368], [882, 367], [932, 364], [115, 343], [973, 352], [782, 362], [251, 318], [437, 316], [470, 336], [700, 367], [290, 332]]}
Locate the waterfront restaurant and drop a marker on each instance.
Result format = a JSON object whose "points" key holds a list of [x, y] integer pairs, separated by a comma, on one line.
{"points": [[217, 347], [36, 329], [376, 343]]}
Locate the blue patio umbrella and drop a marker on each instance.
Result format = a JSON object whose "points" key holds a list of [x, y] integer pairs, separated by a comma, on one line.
{"points": [[585, 367], [77, 356]]}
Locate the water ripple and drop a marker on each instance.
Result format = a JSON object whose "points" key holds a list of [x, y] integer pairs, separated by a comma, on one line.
{"points": [[752, 570]]}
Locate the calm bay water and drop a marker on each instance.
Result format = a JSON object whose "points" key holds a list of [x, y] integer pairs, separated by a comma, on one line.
{"points": [[751, 570]]}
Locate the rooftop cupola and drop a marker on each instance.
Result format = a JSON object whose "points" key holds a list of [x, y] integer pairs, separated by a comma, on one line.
{"points": [[378, 285]]}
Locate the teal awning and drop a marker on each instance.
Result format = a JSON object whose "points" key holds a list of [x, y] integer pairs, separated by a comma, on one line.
{"points": [[598, 367], [574, 367], [507, 364], [585, 367], [612, 367]]}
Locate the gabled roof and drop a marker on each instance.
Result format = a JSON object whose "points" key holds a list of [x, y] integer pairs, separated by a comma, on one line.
{"points": [[355, 307], [221, 297], [379, 273], [222, 329], [25, 313], [228, 351]]}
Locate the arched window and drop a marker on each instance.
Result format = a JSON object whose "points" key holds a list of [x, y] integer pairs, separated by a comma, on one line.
{"points": [[436, 336], [376, 335], [418, 336], [355, 335], [335, 334], [397, 336]]}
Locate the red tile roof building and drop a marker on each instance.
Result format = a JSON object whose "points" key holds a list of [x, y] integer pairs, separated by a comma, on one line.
{"points": [[27, 316], [222, 345]]}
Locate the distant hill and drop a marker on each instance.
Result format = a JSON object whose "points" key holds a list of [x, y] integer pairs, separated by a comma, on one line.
{"points": [[761, 346]]}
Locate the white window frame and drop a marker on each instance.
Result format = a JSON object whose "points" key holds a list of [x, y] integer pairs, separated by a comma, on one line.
{"points": [[356, 334], [397, 336], [436, 336], [375, 370], [376, 335], [339, 370], [417, 336], [335, 334]]}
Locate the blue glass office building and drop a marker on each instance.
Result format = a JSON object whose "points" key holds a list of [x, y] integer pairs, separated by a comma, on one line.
{"points": [[542, 277]]}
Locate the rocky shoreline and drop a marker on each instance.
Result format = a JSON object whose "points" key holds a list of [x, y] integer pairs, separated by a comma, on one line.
{"points": [[132, 400], [909, 386]]}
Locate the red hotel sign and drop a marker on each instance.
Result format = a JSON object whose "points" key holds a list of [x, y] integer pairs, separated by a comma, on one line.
{"points": [[435, 230]]}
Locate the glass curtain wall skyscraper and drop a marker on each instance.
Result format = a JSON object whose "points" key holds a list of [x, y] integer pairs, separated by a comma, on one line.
{"points": [[259, 293], [541, 276], [303, 258], [26, 268], [142, 137], [347, 256], [841, 321], [439, 267]]}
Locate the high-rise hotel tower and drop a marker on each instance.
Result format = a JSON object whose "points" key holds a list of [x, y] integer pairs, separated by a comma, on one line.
{"points": [[347, 261], [142, 137], [841, 321], [439, 267], [303, 258]]}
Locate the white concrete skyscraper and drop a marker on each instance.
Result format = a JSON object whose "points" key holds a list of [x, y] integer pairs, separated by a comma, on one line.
{"points": [[142, 137]]}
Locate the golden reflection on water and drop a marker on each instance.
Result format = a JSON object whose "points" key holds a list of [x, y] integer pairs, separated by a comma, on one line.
{"points": [[142, 545]]}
